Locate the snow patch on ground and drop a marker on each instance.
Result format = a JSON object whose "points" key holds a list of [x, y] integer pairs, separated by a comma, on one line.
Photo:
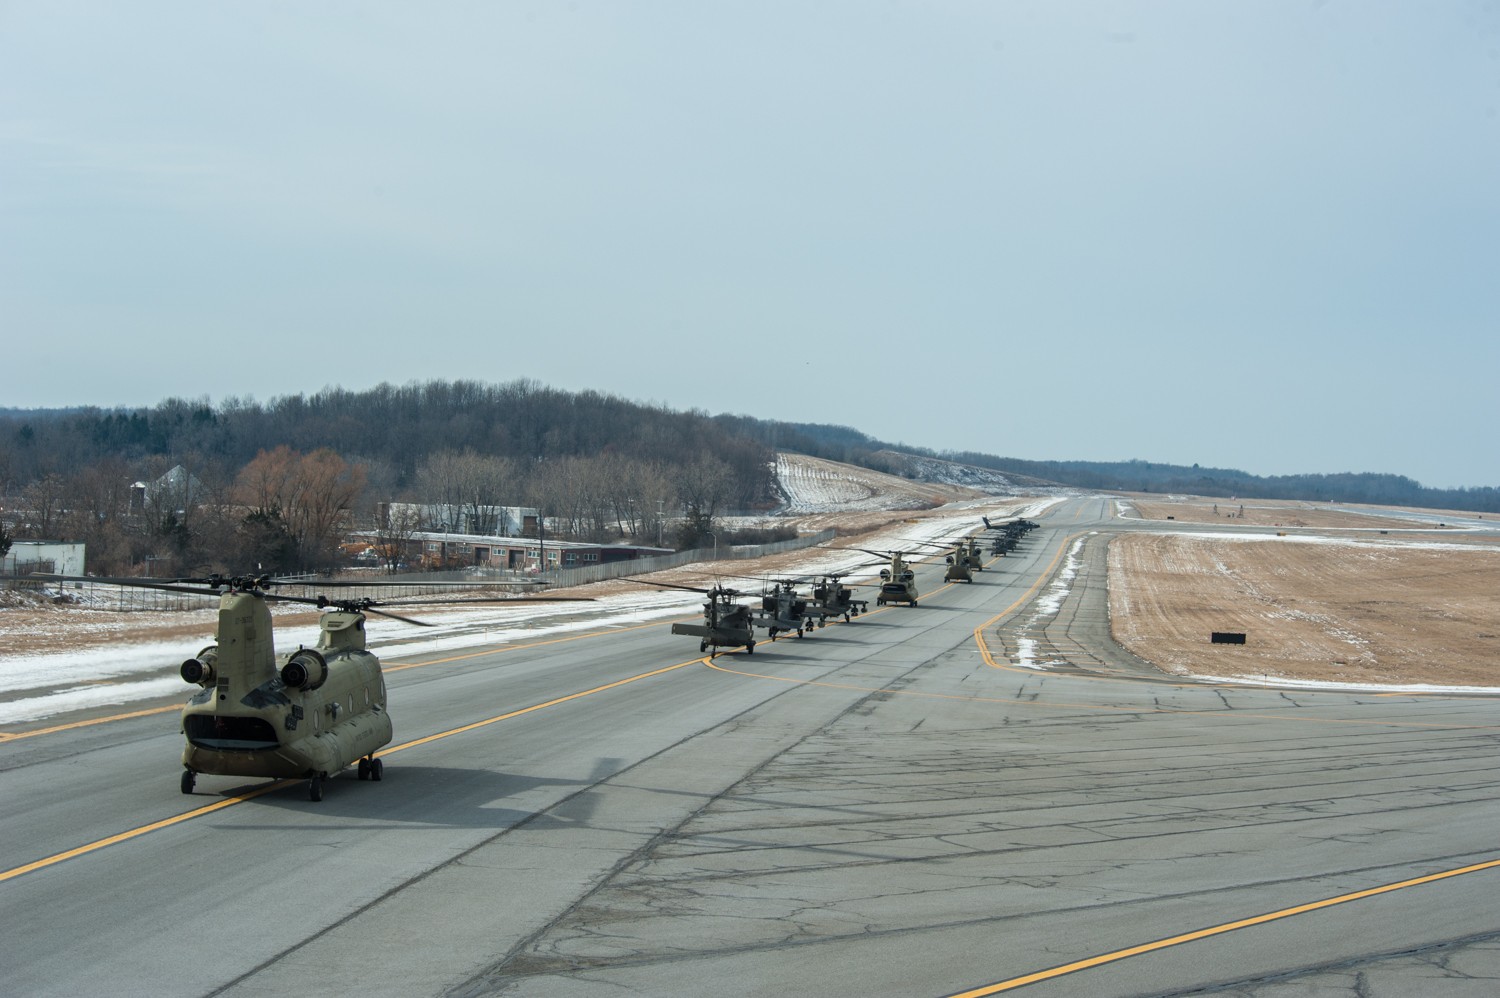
{"points": [[35, 687], [1046, 606]]}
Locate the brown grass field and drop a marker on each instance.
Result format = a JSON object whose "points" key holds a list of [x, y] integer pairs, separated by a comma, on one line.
{"points": [[1357, 612], [1267, 513]]}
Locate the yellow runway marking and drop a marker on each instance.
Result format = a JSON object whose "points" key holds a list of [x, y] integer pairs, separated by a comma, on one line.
{"points": [[1216, 930], [71, 725], [142, 830]]}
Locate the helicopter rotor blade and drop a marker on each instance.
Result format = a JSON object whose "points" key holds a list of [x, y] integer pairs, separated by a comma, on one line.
{"points": [[669, 585], [397, 616]]}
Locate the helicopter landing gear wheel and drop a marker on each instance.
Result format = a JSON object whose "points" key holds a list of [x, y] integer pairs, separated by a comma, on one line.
{"points": [[846, 617], [703, 646], [750, 648], [315, 787], [188, 779], [364, 769], [377, 770]]}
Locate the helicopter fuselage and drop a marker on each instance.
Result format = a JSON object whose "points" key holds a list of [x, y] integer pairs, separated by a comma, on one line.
{"points": [[308, 713]]}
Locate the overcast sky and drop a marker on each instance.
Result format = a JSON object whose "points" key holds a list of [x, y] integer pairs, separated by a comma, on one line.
{"points": [[1261, 235]]}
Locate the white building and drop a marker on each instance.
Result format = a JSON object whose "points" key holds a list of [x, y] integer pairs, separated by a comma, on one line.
{"points": [[59, 557]]}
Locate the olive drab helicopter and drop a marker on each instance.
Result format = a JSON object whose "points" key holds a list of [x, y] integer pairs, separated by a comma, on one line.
{"points": [[306, 714], [784, 611], [831, 599], [973, 555], [726, 623], [1008, 535], [898, 583], [959, 569]]}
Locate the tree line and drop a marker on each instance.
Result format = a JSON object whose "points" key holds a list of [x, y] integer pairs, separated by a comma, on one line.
{"points": [[276, 486]]}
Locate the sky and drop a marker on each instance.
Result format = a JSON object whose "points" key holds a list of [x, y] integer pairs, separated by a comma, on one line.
{"points": [[1259, 235]]}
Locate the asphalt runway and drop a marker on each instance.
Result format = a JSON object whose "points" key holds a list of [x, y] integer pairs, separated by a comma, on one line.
{"points": [[888, 807]]}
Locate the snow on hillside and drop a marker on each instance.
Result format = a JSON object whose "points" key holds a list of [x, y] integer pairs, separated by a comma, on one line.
{"points": [[813, 485]]}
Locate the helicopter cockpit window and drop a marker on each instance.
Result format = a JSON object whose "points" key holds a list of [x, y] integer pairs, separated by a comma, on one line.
{"points": [[214, 731]]}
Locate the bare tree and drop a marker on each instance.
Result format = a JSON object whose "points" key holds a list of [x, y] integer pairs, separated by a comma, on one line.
{"points": [[310, 497], [399, 524], [42, 503], [703, 488]]}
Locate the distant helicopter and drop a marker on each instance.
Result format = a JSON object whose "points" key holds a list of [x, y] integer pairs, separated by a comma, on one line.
{"points": [[305, 714], [1008, 535], [958, 565], [973, 555]]}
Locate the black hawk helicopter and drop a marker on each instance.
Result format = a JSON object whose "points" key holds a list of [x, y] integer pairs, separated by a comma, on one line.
{"points": [[726, 623], [1009, 534], [305, 714]]}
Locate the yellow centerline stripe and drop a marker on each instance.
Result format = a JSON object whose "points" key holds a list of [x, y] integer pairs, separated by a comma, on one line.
{"points": [[278, 784], [1187, 937], [534, 707], [71, 725], [142, 830]]}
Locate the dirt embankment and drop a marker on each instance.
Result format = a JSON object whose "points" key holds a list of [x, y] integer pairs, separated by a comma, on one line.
{"points": [[1342, 612]]}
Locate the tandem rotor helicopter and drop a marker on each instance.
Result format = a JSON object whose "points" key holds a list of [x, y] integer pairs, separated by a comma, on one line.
{"points": [[305, 714], [898, 583]]}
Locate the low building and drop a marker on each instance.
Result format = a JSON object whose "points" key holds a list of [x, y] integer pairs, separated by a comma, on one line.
{"points": [[59, 557], [434, 550], [468, 518]]}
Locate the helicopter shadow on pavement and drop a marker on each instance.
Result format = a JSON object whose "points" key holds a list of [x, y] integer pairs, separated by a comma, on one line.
{"points": [[454, 797]]}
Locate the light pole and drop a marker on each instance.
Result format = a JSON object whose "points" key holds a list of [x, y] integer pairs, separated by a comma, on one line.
{"points": [[716, 543], [660, 507]]}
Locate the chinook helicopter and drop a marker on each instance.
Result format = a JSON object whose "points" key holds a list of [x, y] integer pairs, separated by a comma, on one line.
{"points": [[898, 584], [959, 569], [306, 714]]}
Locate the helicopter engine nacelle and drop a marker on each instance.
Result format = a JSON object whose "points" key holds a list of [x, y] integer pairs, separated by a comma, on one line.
{"points": [[304, 670], [200, 668], [885, 575]]}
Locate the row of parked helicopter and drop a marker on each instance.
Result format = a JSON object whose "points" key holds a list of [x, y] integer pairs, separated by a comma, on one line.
{"points": [[310, 713], [728, 623]]}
